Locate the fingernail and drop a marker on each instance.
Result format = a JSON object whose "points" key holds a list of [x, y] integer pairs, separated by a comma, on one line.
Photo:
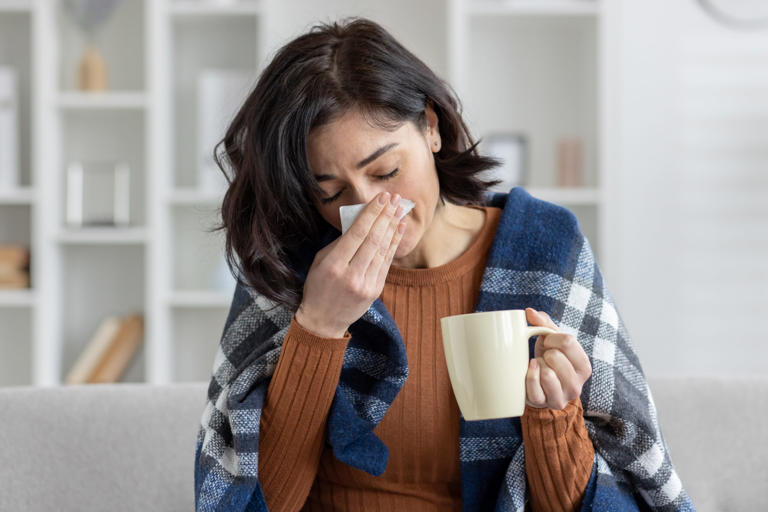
{"points": [[383, 198], [534, 364], [395, 199]]}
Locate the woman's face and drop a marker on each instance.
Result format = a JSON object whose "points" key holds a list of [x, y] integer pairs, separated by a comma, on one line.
{"points": [[354, 161]]}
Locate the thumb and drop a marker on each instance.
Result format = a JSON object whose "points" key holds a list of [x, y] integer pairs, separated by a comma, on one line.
{"points": [[539, 318]]}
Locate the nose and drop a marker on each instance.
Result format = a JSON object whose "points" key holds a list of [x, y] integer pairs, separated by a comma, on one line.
{"points": [[366, 194]]}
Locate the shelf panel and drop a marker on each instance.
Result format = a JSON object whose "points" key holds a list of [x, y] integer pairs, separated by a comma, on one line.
{"points": [[193, 196], [15, 6], [533, 7], [23, 195], [200, 299], [102, 100], [221, 8], [103, 236], [572, 196], [17, 298]]}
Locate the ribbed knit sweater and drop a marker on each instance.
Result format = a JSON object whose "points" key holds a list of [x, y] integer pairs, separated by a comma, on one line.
{"points": [[298, 471]]}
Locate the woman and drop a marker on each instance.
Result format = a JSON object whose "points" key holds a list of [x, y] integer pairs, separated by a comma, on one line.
{"points": [[330, 390]]}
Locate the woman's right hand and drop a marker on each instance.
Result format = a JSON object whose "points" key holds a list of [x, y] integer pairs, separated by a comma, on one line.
{"points": [[348, 274]]}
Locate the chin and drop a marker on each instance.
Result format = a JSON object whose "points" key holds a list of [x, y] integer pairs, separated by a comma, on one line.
{"points": [[406, 246]]}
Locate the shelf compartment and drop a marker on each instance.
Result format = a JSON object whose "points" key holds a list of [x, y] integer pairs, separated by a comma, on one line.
{"points": [[196, 337], [106, 136], [546, 90], [15, 347], [100, 282], [15, 42], [121, 44], [200, 44], [15, 228], [198, 255], [588, 217]]}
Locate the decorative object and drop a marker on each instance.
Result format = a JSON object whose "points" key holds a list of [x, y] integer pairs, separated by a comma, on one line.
{"points": [[220, 93], [98, 194], [569, 166], [89, 16], [110, 351], [511, 149], [9, 129]]}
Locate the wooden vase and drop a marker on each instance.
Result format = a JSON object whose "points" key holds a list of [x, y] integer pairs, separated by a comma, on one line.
{"points": [[93, 70]]}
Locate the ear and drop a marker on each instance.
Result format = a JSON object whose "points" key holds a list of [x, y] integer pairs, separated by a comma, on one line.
{"points": [[433, 130]]}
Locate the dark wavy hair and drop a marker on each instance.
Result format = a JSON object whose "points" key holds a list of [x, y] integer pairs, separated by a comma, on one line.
{"points": [[267, 210]]}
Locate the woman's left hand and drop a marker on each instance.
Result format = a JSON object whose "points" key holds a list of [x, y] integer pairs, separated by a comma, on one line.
{"points": [[560, 366]]}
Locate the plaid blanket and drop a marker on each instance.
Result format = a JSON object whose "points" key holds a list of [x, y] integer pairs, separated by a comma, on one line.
{"points": [[540, 259]]}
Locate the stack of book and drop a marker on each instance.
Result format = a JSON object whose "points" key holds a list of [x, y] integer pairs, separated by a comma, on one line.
{"points": [[110, 351], [14, 267]]}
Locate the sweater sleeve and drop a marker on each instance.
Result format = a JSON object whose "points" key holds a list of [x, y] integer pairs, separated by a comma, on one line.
{"points": [[292, 429], [558, 456]]}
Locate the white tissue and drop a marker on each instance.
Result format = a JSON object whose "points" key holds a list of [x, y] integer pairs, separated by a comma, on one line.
{"points": [[350, 213]]}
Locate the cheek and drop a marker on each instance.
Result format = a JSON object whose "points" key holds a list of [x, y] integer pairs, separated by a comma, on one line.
{"points": [[330, 214], [413, 233]]}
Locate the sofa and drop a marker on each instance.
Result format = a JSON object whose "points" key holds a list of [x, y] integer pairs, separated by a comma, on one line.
{"points": [[130, 447]]}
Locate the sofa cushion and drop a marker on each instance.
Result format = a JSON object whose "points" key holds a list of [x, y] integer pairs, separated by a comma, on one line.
{"points": [[717, 432], [129, 447], [117, 447]]}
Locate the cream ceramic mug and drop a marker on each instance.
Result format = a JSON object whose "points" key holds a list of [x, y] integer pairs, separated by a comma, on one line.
{"points": [[487, 357]]}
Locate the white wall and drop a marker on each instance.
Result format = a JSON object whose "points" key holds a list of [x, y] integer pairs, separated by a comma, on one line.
{"points": [[691, 223]]}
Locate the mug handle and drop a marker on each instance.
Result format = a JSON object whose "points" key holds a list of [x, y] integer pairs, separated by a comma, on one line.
{"points": [[535, 331]]}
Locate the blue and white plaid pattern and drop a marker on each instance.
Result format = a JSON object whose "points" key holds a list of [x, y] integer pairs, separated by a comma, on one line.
{"points": [[540, 259]]}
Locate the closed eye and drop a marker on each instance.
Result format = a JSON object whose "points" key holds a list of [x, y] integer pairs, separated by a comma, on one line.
{"points": [[383, 177]]}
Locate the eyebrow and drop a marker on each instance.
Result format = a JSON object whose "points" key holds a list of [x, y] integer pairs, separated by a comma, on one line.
{"points": [[362, 163]]}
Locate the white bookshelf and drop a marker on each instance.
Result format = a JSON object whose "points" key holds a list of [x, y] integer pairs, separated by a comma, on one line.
{"points": [[536, 66]]}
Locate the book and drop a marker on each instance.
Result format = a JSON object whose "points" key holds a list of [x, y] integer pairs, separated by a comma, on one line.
{"points": [[14, 256], [14, 280], [110, 351]]}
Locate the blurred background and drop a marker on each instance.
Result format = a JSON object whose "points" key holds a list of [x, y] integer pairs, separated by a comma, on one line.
{"points": [[649, 120]]}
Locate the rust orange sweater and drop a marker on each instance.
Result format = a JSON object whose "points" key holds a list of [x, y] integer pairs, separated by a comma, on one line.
{"points": [[421, 428]]}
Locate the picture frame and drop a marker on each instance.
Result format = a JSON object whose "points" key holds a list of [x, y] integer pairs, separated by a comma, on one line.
{"points": [[98, 194], [512, 149]]}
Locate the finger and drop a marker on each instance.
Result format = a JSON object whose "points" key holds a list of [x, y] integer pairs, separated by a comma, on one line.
{"points": [[551, 386], [373, 270], [540, 319], [376, 240], [570, 381], [534, 395], [384, 267], [573, 351], [353, 238]]}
